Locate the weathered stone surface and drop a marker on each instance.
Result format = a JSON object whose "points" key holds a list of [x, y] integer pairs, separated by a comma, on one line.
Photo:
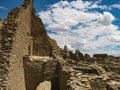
{"points": [[23, 33], [71, 79], [82, 76], [46, 85], [87, 57], [0, 31], [113, 85], [65, 53], [79, 55], [0, 23], [73, 56], [42, 43], [13, 36], [38, 69]]}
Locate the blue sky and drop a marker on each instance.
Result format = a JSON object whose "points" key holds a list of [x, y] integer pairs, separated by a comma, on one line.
{"points": [[92, 26], [6, 5]]}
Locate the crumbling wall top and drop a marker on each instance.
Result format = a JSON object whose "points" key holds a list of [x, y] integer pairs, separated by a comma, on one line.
{"points": [[27, 2], [0, 22]]}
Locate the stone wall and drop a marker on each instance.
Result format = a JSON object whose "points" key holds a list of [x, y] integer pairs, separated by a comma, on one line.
{"points": [[76, 76], [110, 63], [42, 43], [0, 23], [38, 69], [4, 64], [63, 79], [0, 31], [23, 33], [15, 42], [77, 56], [27, 3], [20, 48]]}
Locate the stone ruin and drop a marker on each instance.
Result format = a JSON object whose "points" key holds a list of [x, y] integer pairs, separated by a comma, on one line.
{"points": [[31, 60], [0, 23]]}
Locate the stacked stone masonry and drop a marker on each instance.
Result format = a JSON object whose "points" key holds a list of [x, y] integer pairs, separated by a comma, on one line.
{"points": [[39, 69], [14, 38], [28, 56], [81, 76], [18, 39], [42, 43]]}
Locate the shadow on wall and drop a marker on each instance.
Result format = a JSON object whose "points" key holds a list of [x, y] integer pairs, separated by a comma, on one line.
{"points": [[38, 72]]}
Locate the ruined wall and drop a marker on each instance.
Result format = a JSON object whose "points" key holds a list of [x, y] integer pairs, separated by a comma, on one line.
{"points": [[42, 43], [0, 23], [21, 42], [38, 69], [22, 33], [63, 80], [109, 63], [0, 31], [15, 41], [76, 76]]}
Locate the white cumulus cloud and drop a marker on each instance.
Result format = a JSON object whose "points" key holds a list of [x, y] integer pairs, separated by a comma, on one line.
{"points": [[78, 28], [106, 18], [67, 14]]}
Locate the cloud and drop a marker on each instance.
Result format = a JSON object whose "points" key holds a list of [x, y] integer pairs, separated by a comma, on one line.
{"points": [[78, 28], [106, 18], [58, 27], [114, 6], [94, 6], [1, 7], [67, 14]]}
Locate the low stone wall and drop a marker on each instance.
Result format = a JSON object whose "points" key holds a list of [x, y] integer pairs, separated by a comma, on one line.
{"points": [[73, 80], [63, 80], [78, 79]]}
